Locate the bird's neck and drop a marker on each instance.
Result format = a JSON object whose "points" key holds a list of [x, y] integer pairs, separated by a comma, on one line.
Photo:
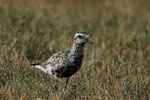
{"points": [[78, 48]]}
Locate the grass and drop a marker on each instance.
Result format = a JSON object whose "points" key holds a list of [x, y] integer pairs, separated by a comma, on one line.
{"points": [[116, 67]]}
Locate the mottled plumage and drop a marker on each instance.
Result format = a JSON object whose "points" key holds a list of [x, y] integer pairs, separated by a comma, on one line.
{"points": [[68, 62]]}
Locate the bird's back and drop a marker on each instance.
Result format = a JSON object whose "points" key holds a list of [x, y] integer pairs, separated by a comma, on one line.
{"points": [[63, 64]]}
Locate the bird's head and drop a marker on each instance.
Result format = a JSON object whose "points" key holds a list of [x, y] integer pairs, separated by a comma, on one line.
{"points": [[82, 38]]}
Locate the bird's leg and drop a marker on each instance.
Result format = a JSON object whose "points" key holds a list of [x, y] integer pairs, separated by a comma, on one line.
{"points": [[66, 83], [56, 88]]}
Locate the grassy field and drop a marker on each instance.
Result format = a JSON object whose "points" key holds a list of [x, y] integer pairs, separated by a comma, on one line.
{"points": [[116, 67]]}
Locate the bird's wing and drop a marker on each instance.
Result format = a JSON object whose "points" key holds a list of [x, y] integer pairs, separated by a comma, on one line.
{"points": [[57, 60]]}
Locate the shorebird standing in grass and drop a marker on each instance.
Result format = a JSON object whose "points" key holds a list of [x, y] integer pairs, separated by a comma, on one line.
{"points": [[66, 63]]}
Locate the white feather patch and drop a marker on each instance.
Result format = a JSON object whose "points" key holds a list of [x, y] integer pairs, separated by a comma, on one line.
{"points": [[84, 35], [41, 68], [49, 69]]}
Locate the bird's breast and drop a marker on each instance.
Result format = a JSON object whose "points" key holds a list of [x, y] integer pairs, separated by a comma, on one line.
{"points": [[75, 59], [71, 68]]}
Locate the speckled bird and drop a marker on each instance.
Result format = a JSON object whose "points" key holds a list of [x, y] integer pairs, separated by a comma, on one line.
{"points": [[67, 62]]}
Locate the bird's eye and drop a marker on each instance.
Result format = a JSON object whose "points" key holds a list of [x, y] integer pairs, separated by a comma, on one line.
{"points": [[80, 36]]}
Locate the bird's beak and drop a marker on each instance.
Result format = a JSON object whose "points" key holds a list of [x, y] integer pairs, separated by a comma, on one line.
{"points": [[89, 41]]}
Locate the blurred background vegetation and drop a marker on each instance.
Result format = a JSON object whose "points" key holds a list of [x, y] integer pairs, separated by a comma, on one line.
{"points": [[116, 67]]}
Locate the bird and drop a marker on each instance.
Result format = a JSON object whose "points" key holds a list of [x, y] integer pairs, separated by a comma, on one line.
{"points": [[66, 63]]}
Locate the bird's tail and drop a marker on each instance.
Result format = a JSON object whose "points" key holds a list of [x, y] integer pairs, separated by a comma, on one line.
{"points": [[33, 65], [38, 66]]}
